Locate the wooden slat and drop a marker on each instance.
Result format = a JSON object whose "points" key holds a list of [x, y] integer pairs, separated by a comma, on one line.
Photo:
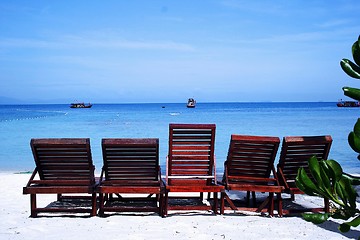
{"points": [[251, 156], [132, 159], [297, 150], [63, 158], [131, 165], [191, 149], [64, 166]]}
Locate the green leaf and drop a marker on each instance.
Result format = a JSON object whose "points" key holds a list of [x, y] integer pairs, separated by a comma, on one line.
{"points": [[354, 142], [316, 218], [305, 184], [353, 93], [326, 168], [325, 177], [344, 227], [350, 192], [335, 168], [340, 190], [341, 214], [350, 68], [357, 127], [315, 170], [353, 179], [356, 52]]}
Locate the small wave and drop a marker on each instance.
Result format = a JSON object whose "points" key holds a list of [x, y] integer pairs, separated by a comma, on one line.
{"points": [[175, 114]]}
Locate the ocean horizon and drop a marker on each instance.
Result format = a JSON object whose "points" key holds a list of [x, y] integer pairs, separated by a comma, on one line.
{"points": [[21, 122]]}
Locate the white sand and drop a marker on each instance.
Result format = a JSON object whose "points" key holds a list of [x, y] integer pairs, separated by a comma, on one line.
{"points": [[16, 224]]}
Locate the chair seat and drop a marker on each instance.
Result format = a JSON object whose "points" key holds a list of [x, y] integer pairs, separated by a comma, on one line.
{"points": [[39, 189], [130, 189], [256, 188], [195, 188]]}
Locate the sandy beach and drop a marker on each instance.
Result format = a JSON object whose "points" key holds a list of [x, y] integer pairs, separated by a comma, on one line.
{"points": [[16, 223]]}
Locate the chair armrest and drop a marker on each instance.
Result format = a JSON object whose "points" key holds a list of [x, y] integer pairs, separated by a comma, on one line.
{"points": [[282, 178], [32, 177]]}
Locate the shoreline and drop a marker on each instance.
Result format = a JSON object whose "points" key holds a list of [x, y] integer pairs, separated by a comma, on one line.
{"points": [[178, 225]]}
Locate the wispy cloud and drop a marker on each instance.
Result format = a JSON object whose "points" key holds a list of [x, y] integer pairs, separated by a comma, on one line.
{"points": [[78, 41], [253, 6], [333, 23]]}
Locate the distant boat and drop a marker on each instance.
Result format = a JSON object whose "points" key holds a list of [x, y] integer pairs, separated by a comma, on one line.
{"points": [[348, 104], [80, 105], [191, 103]]}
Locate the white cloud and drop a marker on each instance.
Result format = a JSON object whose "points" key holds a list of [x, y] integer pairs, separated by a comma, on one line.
{"points": [[73, 41], [334, 23]]}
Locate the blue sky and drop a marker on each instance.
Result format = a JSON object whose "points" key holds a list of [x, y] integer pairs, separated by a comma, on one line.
{"points": [[168, 50]]}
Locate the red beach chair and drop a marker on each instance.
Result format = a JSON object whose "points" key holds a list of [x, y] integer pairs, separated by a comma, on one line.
{"points": [[191, 167], [248, 167], [63, 166]]}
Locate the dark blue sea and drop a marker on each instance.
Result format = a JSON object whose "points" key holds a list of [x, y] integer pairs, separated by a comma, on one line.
{"points": [[20, 123]]}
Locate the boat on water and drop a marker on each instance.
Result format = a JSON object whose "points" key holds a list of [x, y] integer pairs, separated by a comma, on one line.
{"points": [[191, 103], [348, 104], [80, 105]]}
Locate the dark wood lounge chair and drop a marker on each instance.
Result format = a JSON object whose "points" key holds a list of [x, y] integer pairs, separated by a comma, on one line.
{"points": [[63, 166], [131, 166], [248, 167], [295, 153], [191, 167]]}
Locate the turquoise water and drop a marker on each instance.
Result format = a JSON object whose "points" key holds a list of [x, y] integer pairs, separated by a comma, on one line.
{"points": [[20, 123]]}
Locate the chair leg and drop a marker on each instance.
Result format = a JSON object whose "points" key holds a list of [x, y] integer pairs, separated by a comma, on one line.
{"points": [[326, 205], [222, 202], [93, 205], [160, 198], [208, 196], [101, 205], [215, 207], [232, 205], [33, 205], [279, 199], [292, 197], [164, 207], [253, 198], [166, 204], [248, 199], [265, 203], [271, 204]]}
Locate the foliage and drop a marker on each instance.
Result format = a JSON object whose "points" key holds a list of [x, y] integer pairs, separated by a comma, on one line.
{"points": [[328, 180], [327, 177], [353, 70]]}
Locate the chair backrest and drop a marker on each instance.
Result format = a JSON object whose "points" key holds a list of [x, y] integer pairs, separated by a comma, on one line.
{"points": [[297, 150], [191, 158], [251, 156], [128, 160], [64, 159]]}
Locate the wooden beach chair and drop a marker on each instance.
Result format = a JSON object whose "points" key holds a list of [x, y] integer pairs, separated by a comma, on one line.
{"points": [[63, 166], [295, 153], [131, 167], [248, 167], [191, 168]]}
